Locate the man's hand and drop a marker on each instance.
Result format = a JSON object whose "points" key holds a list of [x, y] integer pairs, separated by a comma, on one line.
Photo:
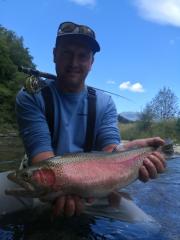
{"points": [[69, 206], [154, 163]]}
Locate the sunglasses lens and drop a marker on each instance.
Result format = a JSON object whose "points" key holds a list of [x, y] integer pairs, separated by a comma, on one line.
{"points": [[69, 27], [87, 31]]}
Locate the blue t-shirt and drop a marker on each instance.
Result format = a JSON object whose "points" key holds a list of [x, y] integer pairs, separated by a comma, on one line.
{"points": [[70, 121]]}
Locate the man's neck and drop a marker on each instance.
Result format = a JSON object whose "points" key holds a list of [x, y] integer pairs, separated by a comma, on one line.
{"points": [[69, 89]]}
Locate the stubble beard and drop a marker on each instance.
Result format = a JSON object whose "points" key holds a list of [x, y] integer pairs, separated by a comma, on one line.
{"points": [[70, 84]]}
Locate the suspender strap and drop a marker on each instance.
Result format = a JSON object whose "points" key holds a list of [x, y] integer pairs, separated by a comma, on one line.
{"points": [[91, 118], [49, 108]]}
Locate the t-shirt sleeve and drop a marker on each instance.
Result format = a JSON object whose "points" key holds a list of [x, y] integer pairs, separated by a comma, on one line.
{"points": [[32, 124], [107, 129]]}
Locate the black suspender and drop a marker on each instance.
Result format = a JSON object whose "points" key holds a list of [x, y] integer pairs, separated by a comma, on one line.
{"points": [[91, 118], [49, 108]]}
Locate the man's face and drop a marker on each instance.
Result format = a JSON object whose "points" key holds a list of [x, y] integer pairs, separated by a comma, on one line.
{"points": [[73, 62]]}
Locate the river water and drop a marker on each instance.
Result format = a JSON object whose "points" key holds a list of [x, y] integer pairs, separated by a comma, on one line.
{"points": [[159, 198]]}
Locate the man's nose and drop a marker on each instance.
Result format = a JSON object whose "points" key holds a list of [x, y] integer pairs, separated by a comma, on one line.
{"points": [[74, 60]]}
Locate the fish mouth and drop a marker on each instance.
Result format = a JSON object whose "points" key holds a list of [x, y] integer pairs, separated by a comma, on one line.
{"points": [[14, 177], [25, 188], [20, 192]]}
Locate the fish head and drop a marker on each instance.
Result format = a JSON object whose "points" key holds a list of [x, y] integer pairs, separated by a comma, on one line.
{"points": [[34, 181]]}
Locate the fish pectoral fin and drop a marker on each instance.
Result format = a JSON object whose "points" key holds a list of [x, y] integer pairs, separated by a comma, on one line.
{"points": [[127, 211], [125, 195], [114, 198]]}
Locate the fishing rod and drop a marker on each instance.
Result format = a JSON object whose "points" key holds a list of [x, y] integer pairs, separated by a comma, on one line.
{"points": [[34, 82]]}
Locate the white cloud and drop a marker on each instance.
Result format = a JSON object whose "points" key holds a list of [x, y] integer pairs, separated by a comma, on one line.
{"points": [[174, 41], [160, 11], [110, 82], [136, 87], [84, 2], [125, 85]]}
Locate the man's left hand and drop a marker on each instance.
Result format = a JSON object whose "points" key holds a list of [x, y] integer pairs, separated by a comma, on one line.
{"points": [[154, 162], [152, 165]]}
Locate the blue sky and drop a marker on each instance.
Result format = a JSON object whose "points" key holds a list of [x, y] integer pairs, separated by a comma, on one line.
{"points": [[139, 39]]}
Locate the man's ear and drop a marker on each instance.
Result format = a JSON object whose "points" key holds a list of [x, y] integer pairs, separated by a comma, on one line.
{"points": [[91, 62], [54, 55], [92, 59]]}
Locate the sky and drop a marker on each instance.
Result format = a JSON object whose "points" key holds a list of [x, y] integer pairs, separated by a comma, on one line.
{"points": [[139, 39]]}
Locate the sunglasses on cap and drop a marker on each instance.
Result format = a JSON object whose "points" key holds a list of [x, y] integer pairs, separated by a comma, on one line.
{"points": [[70, 27]]}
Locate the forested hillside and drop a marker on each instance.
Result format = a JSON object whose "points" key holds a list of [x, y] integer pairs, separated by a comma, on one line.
{"points": [[12, 54]]}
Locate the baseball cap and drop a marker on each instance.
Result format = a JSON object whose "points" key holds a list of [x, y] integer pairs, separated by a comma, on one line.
{"points": [[70, 30]]}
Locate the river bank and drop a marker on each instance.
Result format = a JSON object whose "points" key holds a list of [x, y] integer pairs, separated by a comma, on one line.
{"points": [[11, 144], [9, 134], [176, 146]]}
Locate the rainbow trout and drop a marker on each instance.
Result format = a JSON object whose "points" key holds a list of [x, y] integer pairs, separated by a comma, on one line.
{"points": [[93, 174]]}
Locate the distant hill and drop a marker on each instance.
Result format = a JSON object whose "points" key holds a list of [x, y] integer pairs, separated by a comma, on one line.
{"points": [[131, 116], [122, 119]]}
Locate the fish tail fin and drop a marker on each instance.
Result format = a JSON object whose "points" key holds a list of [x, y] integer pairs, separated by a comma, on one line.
{"points": [[168, 148]]}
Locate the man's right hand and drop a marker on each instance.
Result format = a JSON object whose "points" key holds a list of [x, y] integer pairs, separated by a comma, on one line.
{"points": [[69, 205]]}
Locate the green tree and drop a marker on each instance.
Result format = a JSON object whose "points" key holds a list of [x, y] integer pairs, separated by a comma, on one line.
{"points": [[178, 129], [145, 119], [12, 54], [164, 105]]}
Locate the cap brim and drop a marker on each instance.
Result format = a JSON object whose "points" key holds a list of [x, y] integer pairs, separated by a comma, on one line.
{"points": [[89, 41]]}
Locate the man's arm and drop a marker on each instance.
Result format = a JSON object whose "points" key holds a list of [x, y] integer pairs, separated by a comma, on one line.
{"points": [[107, 131], [109, 148], [33, 126], [42, 156]]}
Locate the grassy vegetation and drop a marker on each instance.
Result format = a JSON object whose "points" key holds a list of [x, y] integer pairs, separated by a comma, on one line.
{"points": [[163, 129]]}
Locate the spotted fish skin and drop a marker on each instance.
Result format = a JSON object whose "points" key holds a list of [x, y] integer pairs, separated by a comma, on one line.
{"points": [[93, 174]]}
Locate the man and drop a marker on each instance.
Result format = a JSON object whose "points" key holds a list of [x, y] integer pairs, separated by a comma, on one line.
{"points": [[74, 53]]}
